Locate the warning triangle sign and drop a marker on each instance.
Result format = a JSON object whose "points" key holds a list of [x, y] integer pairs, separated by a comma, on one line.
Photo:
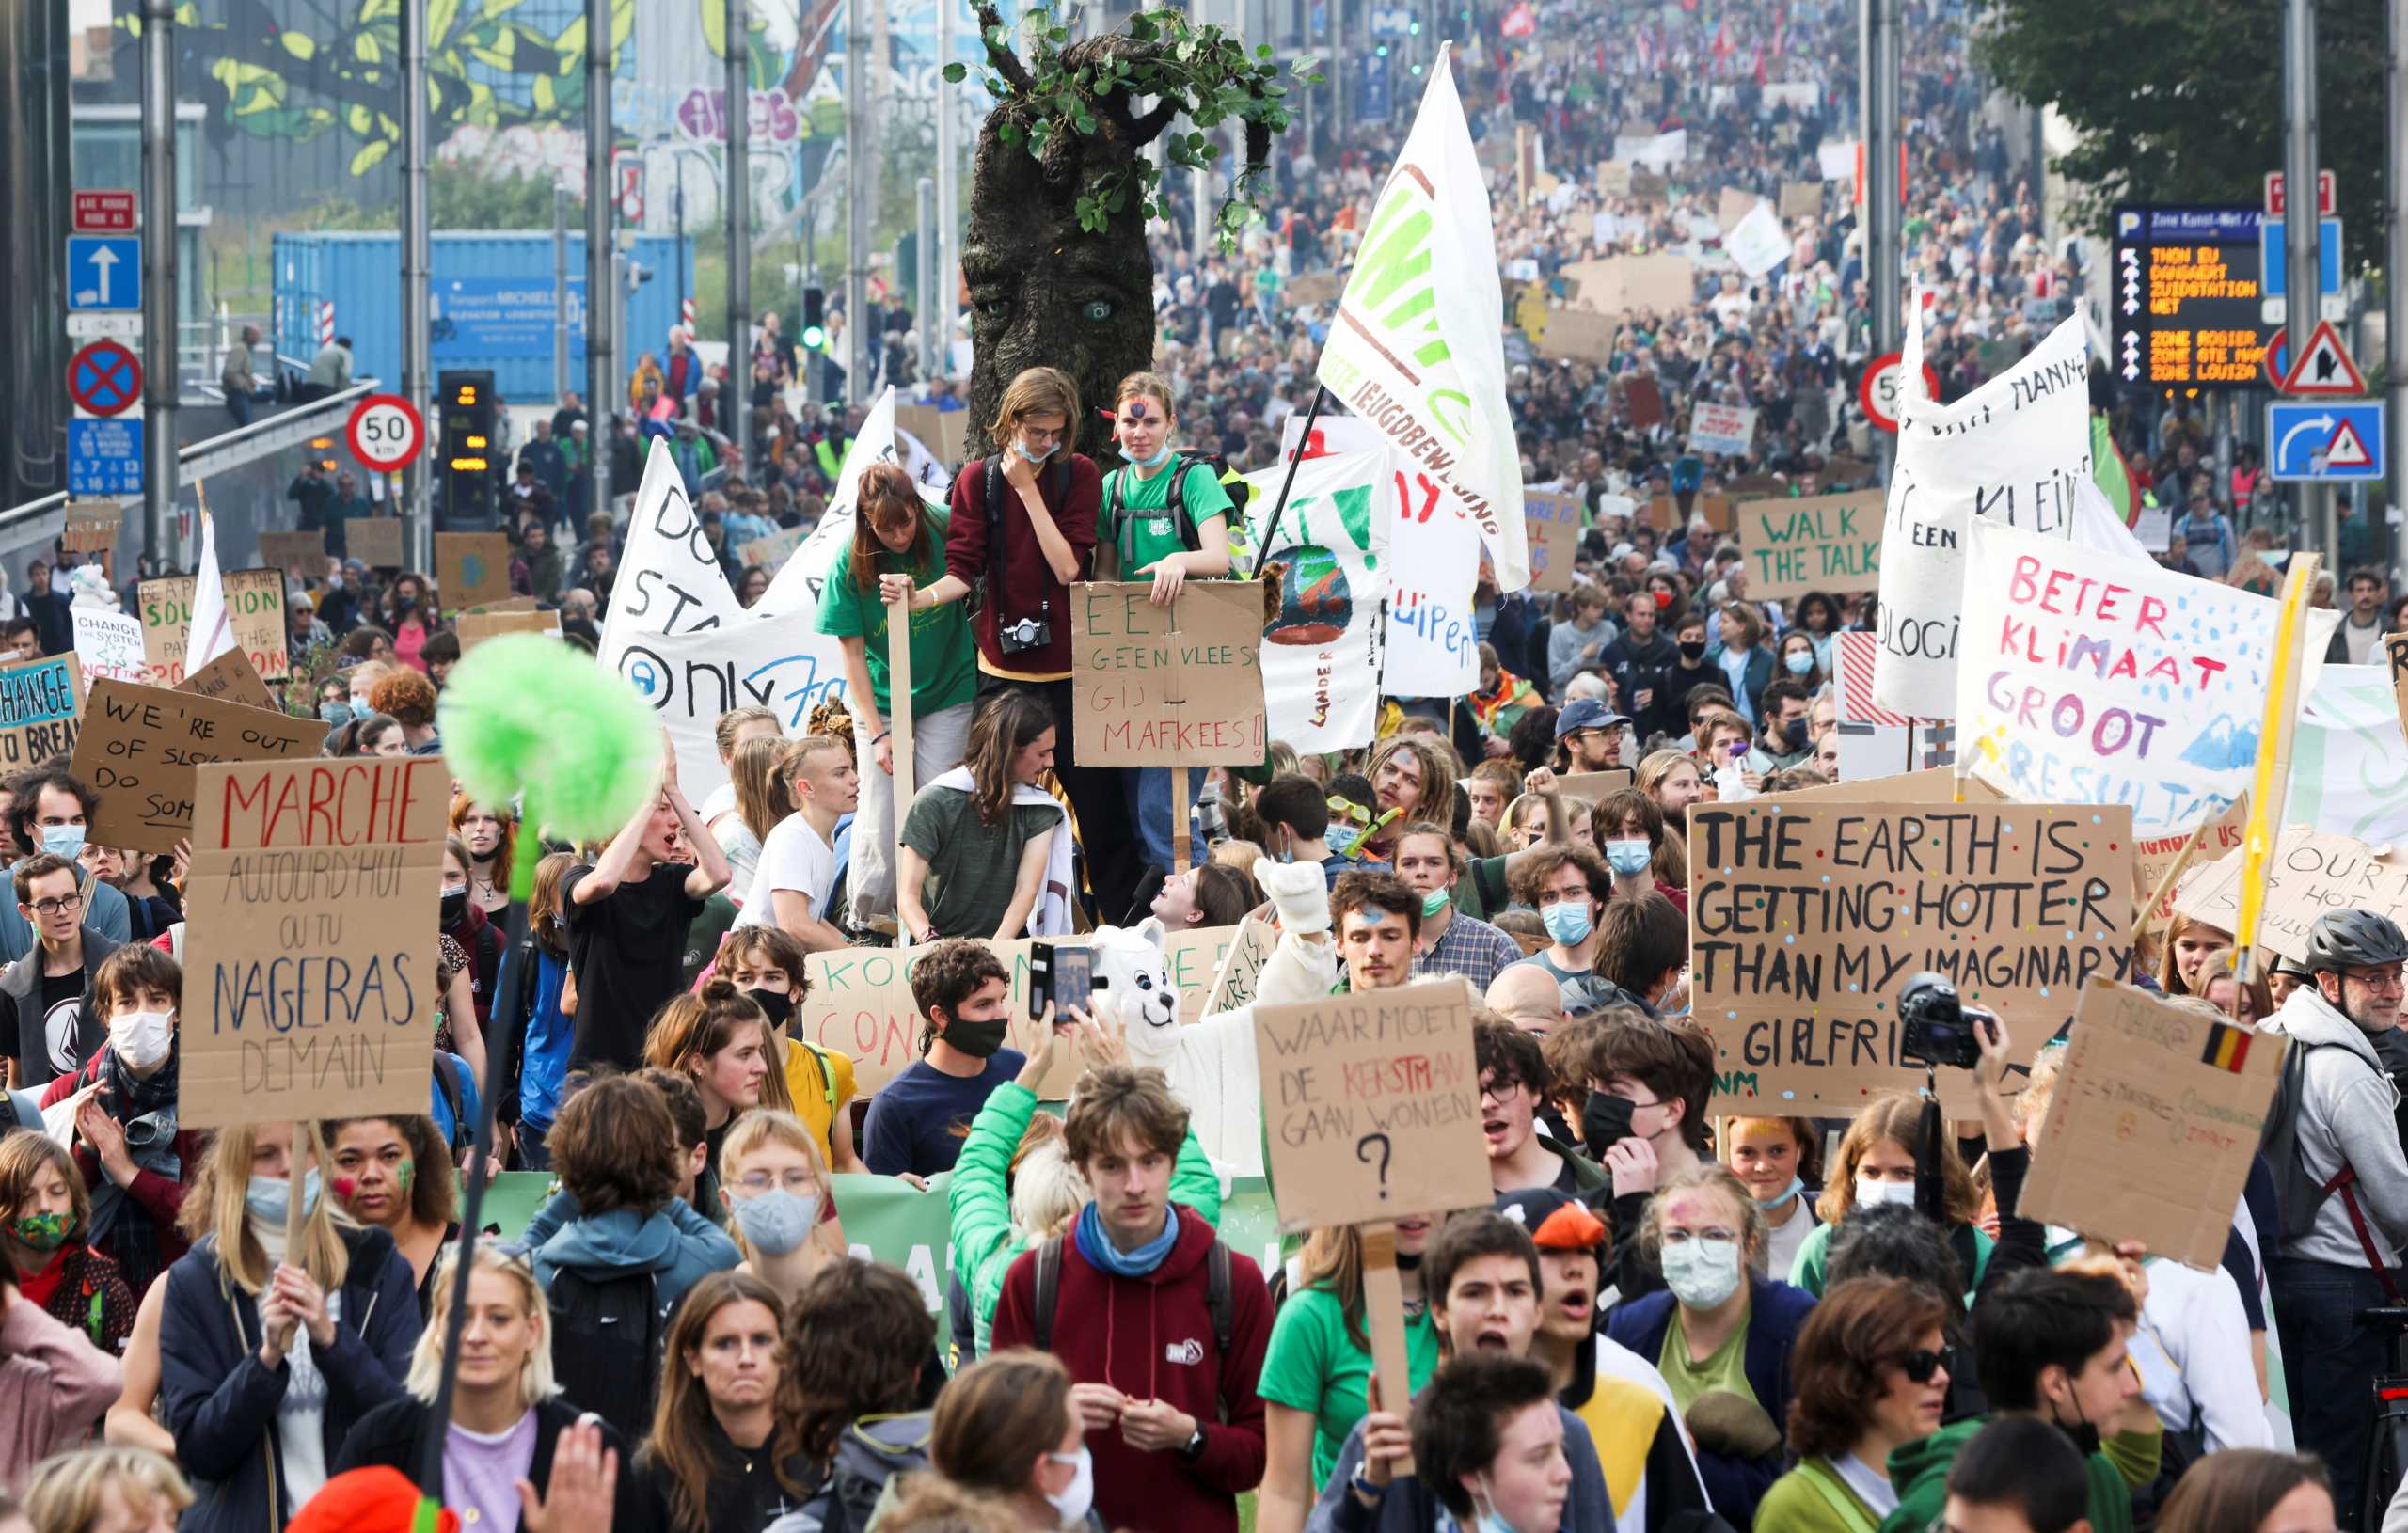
{"points": [[2347, 449], [2326, 367]]}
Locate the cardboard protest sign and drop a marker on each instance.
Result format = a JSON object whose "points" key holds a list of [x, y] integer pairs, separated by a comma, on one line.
{"points": [[1554, 521], [770, 554], [2153, 855], [254, 603], [2012, 450], [1925, 785], [860, 1000], [1233, 984], [1613, 178], [230, 677], [302, 551], [1807, 913], [1732, 206], [1828, 543], [374, 540], [1800, 198], [1179, 685], [1745, 487], [1721, 427], [108, 643], [1371, 1105], [1588, 787], [2311, 872], [139, 746], [1312, 287], [472, 568], [311, 949], [474, 628], [1572, 335], [2175, 1102], [1645, 400], [2395, 651], [41, 704], [1718, 511], [2088, 682], [945, 433], [91, 526]]}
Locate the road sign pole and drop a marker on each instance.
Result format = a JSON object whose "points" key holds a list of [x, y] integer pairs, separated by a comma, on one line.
{"points": [[2301, 230], [1879, 45], [159, 532], [601, 299], [417, 261], [2395, 303]]}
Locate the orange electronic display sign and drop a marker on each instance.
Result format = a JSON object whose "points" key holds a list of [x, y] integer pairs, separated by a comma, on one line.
{"points": [[2188, 306]]}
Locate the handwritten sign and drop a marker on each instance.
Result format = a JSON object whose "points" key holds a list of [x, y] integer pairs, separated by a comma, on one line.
{"points": [[1827, 542], [91, 526], [1807, 913], [303, 551], [139, 746], [230, 677], [474, 628], [1554, 523], [109, 644], [1588, 787], [255, 603], [860, 1000], [40, 703], [1240, 970], [2175, 1102], [1721, 427], [769, 554], [1179, 685], [2310, 873], [375, 541], [2153, 855], [1371, 1105], [472, 568], [2395, 650], [2083, 681], [311, 950]]}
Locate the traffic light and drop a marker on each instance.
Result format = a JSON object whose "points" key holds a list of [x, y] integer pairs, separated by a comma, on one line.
{"points": [[815, 317], [468, 418]]}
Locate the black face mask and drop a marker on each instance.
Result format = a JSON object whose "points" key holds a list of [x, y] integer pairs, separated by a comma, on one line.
{"points": [[455, 905], [778, 1003], [1793, 736], [980, 1041], [1693, 649], [1605, 1122]]}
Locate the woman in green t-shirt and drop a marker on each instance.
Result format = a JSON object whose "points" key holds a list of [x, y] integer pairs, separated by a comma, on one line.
{"points": [[1316, 1375], [1152, 534], [898, 552]]}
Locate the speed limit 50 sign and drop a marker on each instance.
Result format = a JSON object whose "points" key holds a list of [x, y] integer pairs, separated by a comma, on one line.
{"points": [[1884, 379], [386, 432]]}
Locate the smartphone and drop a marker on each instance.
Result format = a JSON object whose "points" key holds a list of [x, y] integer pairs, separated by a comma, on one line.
{"points": [[1059, 974]]}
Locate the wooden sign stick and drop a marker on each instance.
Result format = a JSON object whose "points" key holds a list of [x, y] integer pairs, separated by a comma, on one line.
{"points": [[1181, 844], [305, 1143], [899, 722], [1384, 1308], [2146, 916]]}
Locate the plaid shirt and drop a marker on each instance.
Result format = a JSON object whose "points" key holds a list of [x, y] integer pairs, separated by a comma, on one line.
{"points": [[1473, 949]]}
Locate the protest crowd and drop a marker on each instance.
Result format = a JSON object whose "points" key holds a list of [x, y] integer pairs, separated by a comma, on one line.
{"points": [[941, 1102]]}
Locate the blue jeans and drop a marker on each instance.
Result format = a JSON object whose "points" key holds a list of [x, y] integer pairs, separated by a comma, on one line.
{"points": [[1153, 809], [2329, 1361], [534, 1153]]}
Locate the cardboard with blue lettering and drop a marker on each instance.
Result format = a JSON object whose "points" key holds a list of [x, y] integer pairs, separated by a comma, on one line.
{"points": [[311, 945], [41, 701], [1553, 518]]}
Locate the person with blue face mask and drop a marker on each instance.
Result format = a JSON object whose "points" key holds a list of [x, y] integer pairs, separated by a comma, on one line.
{"points": [[50, 812], [1568, 886], [281, 1330]]}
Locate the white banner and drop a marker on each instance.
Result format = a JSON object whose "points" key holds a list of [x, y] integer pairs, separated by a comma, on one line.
{"points": [[669, 581], [211, 633], [795, 589], [1415, 349], [1321, 657], [2012, 452], [2348, 775], [1721, 427], [2080, 683], [1757, 244]]}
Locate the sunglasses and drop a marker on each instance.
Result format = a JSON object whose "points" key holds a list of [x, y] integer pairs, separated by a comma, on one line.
{"points": [[1920, 1365]]}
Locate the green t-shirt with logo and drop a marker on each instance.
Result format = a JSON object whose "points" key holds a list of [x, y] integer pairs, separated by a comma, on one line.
{"points": [[1313, 1366], [1145, 531], [944, 661]]}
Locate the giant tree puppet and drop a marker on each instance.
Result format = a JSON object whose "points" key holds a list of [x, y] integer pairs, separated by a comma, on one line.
{"points": [[1055, 258]]}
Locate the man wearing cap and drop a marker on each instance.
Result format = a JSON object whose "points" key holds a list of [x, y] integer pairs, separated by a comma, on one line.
{"points": [[1618, 1395], [2343, 1185], [1588, 735], [1784, 728]]}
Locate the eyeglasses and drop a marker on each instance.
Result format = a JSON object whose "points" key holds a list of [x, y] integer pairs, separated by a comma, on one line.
{"points": [[59, 905], [1683, 1237], [798, 1180], [1918, 1367]]}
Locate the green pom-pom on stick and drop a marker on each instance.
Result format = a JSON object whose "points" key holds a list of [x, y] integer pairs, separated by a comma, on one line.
{"points": [[527, 715]]}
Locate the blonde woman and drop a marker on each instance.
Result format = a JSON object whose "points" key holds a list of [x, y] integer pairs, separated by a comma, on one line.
{"points": [[774, 1185], [106, 1490], [510, 1431], [1536, 818], [270, 1351], [761, 802]]}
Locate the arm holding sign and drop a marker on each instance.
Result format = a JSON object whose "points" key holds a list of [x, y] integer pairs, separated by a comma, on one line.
{"points": [[858, 692]]}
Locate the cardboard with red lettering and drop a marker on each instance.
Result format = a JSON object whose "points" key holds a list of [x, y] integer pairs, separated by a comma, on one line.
{"points": [[140, 746], [1371, 1105], [1553, 518], [2175, 1102], [1177, 685], [312, 947]]}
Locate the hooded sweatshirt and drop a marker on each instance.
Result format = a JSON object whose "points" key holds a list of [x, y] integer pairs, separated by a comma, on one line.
{"points": [[1919, 1473], [2345, 1116], [1152, 1338], [677, 1245]]}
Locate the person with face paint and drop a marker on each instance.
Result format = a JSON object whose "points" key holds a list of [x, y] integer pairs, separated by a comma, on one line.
{"points": [[964, 1001], [1568, 886], [1449, 942], [53, 1025], [129, 1151], [1720, 1334], [49, 1216], [393, 1173], [769, 966], [281, 1330]]}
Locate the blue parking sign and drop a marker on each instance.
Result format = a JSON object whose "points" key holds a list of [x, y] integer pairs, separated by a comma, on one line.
{"points": [[104, 457]]}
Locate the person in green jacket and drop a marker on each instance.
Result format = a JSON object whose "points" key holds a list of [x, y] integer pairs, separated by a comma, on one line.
{"points": [[1011, 1190], [2018, 1475], [1871, 1371], [2049, 1344], [1875, 1163]]}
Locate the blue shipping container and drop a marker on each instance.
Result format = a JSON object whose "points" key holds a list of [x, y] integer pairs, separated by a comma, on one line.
{"points": [[490, 301]]}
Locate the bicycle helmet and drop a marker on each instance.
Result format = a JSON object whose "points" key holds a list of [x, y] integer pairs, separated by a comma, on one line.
{"points": [[2285, 964], [2354, 939]]}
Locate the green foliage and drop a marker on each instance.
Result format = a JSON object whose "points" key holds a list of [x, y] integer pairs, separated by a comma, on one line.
{"points": [[1205, 73], [2181, 101], [458, 197]]}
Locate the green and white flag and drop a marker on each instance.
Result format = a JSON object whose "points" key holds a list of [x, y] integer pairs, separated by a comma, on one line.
{"points": [[1430, 371]]}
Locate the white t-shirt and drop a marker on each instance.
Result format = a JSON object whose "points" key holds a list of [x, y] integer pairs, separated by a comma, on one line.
{"points": [[722, 801], [792, 858]]}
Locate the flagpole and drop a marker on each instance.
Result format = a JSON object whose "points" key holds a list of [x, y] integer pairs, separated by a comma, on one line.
{"points": [[2270, 792], [1278, 507]]}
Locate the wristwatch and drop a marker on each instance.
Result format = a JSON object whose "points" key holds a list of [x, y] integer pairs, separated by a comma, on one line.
{"points": [[1368, 1494], [1193, 1447]]}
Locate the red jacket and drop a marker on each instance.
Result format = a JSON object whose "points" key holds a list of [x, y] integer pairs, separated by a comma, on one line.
{"points": [[1151, 1337], [1019, 579]]}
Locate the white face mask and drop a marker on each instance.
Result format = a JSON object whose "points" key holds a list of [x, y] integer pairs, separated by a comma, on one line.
{"points": [[1075, 1500], [1701, 1271], [1872, 1194], [142, 1038]]}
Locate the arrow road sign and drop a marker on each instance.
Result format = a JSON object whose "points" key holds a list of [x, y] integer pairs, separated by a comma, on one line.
{"points": [[2326, 441], [104, 271]]}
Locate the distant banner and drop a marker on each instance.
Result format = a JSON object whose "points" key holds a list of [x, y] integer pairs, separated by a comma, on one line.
{"points": [[1726, 429], [1321, 654]]}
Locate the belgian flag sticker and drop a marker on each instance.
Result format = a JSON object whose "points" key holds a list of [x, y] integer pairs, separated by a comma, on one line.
{"points": [[2227, 1047]]}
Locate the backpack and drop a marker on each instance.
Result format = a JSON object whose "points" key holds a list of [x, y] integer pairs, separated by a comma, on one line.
{"points": [[2298, 1194], [464, 1134], [608, 1336], [1217, 1295], [1185, 459], [992, 487]]}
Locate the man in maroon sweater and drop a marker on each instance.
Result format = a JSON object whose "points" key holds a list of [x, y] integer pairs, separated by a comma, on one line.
{"points": [[1174, 1424]]}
